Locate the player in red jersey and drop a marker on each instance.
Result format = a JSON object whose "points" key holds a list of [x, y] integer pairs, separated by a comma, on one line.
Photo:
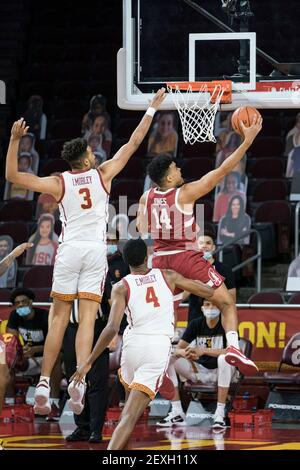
{"points": [[167, 212]]}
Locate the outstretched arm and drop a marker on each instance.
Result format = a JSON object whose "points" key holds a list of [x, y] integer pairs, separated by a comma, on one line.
{"points": [[118, 297], [50, 185], [142, 216], [190, 192], [195, 287], [111, 168], [8, 260]]}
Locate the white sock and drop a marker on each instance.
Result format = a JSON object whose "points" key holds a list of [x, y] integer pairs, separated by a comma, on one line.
{"points": [[47, 379], [177, 408], [232, 339], [220, 409]]}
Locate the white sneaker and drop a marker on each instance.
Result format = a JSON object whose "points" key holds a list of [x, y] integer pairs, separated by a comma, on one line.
{"points": [[76, 406], [219, 422], [42, 410], [172, 419], [42, 396], [76, 391]]}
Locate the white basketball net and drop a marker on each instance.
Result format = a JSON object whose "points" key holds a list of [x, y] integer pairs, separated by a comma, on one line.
{"points": [[197, 116]]}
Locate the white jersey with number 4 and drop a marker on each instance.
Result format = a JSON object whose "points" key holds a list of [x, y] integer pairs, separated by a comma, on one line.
{"points": [[149, 309], [83, 206]]}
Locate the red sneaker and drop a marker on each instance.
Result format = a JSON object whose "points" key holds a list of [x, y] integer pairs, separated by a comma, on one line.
{"points": [[236, 358]]}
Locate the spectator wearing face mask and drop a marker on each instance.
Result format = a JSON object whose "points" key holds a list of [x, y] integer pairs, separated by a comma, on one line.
{"points": [[32, 324], [207, 245], [200, 356]]}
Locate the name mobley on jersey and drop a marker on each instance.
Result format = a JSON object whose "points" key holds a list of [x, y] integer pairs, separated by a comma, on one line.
{"points": [[83, 207]]}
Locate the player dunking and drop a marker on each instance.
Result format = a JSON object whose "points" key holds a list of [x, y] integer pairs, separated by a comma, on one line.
{"points": [[80, 265], [147, 298], [167, 213]]}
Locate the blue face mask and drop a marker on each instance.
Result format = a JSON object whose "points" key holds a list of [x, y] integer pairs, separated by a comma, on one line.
{"points": [[112, 249], [207, 255], [211, 313], [23, 311]]}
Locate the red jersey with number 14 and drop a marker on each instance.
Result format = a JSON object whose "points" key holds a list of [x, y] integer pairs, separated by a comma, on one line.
{"points": [[170, 227]]}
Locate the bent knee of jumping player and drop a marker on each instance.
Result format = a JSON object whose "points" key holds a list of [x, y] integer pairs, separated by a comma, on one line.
{"points": [[225, 303], [222, 299]]}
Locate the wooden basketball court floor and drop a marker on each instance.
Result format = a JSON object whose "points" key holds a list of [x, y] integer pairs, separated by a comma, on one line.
{"points": [[147, 436]]}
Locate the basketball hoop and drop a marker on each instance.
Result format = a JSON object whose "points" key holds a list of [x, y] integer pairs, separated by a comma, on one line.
{"points": [[197, 111]]}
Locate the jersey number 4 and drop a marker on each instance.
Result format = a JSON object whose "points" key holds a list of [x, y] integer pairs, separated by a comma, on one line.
{"points": [[87, 198], [151, 297]]}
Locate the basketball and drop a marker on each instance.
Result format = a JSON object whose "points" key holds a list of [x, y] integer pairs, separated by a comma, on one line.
{"points": [[244, 114]]}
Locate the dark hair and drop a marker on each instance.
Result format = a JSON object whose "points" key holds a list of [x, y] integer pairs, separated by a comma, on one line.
{"points": [[73, 150], [21, 291], [35, 102], [98, 99], [135, 252], [242, 207], [158, 167], [208, 233]]}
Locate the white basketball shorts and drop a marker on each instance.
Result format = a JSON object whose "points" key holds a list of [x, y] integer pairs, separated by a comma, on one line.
{"points": [[79, 271], [144, 361]]}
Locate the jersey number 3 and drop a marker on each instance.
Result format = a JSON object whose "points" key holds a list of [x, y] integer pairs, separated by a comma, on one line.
{"points": [[151, 297], [86, 198]]}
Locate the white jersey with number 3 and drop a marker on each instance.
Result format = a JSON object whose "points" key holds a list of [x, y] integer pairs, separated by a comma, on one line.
{"points": [[149, 309], [83, 206]]}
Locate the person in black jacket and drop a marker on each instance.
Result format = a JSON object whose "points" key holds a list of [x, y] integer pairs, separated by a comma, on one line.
{"points": [[91, 419], [200, 356], [206, 243]]}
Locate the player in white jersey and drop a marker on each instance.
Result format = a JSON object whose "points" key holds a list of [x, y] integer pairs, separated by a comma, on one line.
{"points": [[80, 266], [147, 298]]}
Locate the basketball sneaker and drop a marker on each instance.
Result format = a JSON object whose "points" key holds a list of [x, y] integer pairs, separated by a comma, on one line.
{"points": [[76, 406], [236, 358], [76, 392], [172, 419], [219, 422], [42, 404]]}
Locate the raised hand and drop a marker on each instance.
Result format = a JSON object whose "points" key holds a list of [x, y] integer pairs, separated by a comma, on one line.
{"points": [[251, 132], [158, 98], [19, 129]]}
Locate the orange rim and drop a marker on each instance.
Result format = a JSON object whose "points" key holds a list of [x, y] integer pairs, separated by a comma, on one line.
{"points": [[226, 86]]}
